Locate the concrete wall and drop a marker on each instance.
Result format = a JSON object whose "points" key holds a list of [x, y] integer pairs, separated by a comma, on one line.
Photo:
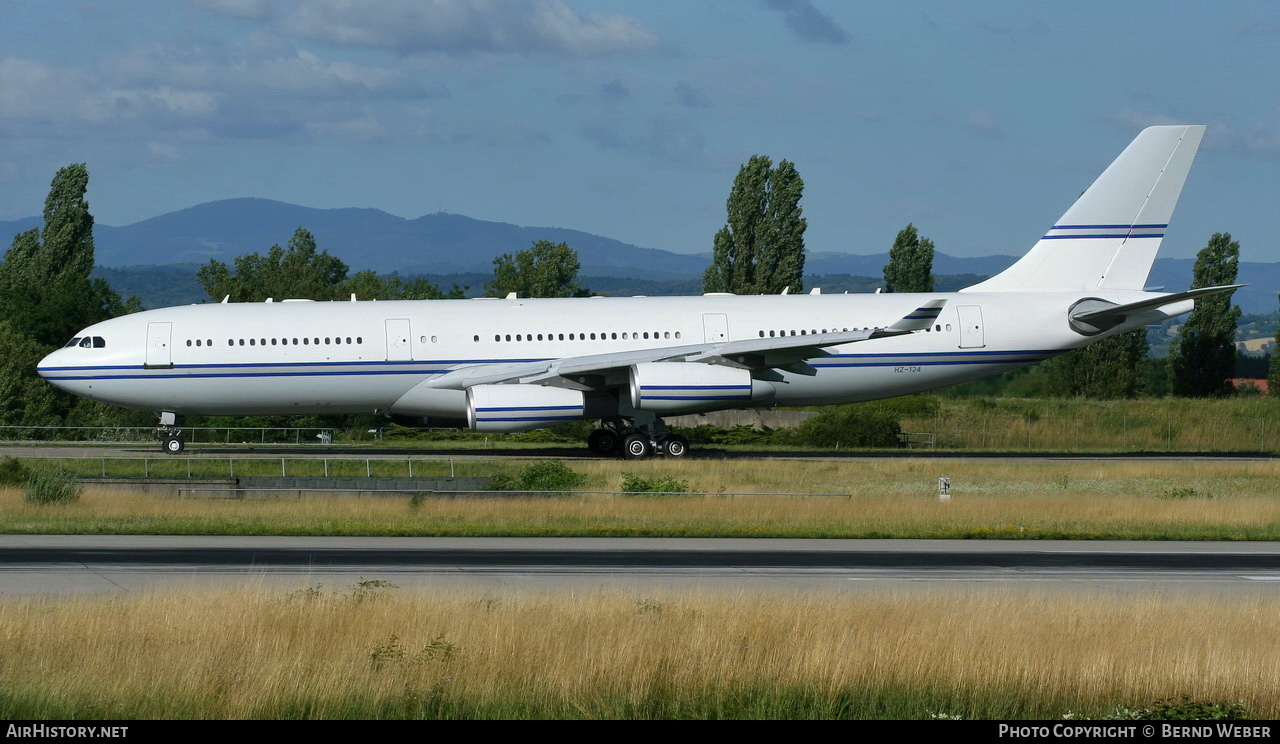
{"points": [[755, 418]]}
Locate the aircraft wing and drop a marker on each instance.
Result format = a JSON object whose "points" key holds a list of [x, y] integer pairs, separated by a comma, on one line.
{"points": [[784, 352]]}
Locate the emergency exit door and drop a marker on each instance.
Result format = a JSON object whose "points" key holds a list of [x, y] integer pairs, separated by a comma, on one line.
{"points": [[398, 340], [971, 335]]}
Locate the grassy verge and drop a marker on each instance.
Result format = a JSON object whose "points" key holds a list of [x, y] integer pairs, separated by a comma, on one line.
{"points": [[888, 498], [371, 652]]}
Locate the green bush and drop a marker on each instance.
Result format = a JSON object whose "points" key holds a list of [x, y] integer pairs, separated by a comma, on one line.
{"points": [[849, 426], [1185, 709], [51, 487], [13, 472], [918, 406], [545, 475], [633, 483]]}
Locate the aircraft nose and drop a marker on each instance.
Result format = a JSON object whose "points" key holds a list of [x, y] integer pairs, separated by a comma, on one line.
{"points": [[47, 365]]}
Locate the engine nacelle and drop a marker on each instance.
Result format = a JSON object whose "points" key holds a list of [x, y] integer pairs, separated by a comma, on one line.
{"points": [[521, 407], [678, 387]]}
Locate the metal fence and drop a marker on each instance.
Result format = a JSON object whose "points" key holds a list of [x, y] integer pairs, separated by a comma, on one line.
{"points": [[192, 434]]}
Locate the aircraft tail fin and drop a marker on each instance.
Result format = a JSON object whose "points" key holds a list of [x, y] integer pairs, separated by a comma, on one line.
{"points": [[1109, 238]]}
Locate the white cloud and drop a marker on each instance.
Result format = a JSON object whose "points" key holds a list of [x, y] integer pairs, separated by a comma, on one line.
{"points": [[1257, 138], [450, 26]]}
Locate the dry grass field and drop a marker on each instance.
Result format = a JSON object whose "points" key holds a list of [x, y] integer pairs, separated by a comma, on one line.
{"points": [[882, 498], [372, 651]]}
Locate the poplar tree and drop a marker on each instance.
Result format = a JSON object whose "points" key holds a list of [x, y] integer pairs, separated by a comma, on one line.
{"points": [[45, 288], [761, 248], [1203, 357], [910, 267]]}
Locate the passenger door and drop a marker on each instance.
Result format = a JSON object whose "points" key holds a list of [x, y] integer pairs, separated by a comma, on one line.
{"points": [[398, 349], [159, 341]]}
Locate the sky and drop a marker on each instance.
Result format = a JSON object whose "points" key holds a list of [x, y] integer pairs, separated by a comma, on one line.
{"points": [[979, 122]]}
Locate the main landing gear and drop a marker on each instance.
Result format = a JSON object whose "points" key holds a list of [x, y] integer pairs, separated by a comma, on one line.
{"points": [[170, 434], [623, 437]]}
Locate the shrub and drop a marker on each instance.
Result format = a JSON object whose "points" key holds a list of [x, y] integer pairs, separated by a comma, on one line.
{"points": [[919, 406], [52, 487], [632, 483], [1185, 709], [849, 426], [545, 475], [13, 472]]}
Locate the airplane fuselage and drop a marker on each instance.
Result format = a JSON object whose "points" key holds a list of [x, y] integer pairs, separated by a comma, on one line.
{"points": [[301, 357]]}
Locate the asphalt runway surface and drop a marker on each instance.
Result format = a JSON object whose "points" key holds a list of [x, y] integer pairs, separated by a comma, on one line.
{"points": [[571, 452], [77, 564]]}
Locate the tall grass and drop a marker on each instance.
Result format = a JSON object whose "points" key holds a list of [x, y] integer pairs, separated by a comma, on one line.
{"points": [[1080, 425], [371, 652], [877, 498]]}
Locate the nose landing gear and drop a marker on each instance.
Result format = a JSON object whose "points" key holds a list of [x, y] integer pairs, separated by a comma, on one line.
{"points": [[169, 432]]}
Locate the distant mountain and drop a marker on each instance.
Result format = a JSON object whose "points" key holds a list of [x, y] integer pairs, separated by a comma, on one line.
{"points": [[442, 244], [364, 239]]}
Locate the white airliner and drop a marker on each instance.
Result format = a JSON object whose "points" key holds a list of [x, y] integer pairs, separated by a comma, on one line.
{"points": [[514, 364]]}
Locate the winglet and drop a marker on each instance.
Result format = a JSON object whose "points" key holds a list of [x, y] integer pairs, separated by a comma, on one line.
{"points": [[917, 320]]}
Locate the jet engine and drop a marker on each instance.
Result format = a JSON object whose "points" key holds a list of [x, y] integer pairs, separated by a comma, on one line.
{"points": [[677, 387], [501, 408]]}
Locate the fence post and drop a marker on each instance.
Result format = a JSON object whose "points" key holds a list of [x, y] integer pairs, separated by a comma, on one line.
{"points": [[231, 467], [368, 471], [282, 467], [146, 468], [326, 467], [410, 466]]}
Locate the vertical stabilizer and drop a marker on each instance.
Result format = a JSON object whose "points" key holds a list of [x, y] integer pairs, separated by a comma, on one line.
{"points": [[1109, 238]]}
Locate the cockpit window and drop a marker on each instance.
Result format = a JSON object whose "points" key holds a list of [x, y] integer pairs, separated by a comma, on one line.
{"points": [[99, 342], [73, 342], [86, 342]]}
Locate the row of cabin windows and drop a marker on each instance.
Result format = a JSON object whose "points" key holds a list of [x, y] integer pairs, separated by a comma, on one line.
{"points": [[626, 336], [280, 342], [803, 332], [87, 342]]}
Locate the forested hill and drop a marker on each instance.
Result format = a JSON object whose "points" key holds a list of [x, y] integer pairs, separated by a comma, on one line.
{"points": [[441, 245]]}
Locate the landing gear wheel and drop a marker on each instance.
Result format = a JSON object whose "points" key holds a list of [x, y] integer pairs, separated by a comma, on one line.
{"points": [[675, 446], [636, 447], [174, 445], [603, 442]]}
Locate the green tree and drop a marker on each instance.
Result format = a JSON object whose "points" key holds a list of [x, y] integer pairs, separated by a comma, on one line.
{"points": [[298, 272], [1202, 358], [1112, 368], [367, 285], [545, 269], [910, 267], [761, 248], [25, 399], [45, 288], [1273, 366]]}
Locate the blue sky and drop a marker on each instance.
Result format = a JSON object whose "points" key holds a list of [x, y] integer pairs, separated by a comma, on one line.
{"points": [[979, 121]]}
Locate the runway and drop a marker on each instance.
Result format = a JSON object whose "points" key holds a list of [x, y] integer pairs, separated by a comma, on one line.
{"points": [[74, 564], [575, 452]]}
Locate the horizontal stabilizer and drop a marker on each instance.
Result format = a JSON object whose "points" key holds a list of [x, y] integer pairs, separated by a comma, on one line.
{"points": [[1094, 316]]}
